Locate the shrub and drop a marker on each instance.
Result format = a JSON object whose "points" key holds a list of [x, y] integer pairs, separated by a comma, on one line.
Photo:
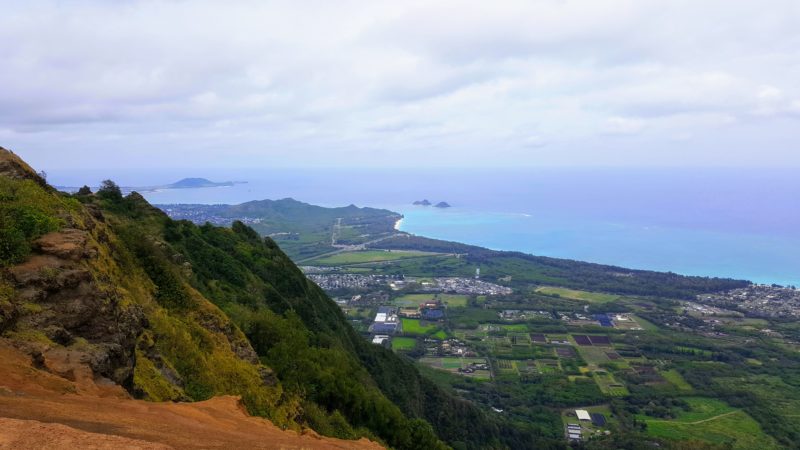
{"points": [[110, 191]]}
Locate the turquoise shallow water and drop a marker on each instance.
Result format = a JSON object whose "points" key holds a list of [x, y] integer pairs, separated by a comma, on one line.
{"points": [[735, 223], [760, 258]]}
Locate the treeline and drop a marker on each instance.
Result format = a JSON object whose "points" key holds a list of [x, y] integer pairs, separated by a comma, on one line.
{"points": [[525, 268]]}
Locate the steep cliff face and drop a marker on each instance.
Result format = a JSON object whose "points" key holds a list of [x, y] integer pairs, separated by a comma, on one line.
{"points": [[97, 291], [78, 301]]}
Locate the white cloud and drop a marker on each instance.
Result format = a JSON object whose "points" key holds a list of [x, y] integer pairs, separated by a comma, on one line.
{"points": [[623, 125], [365, 80]]}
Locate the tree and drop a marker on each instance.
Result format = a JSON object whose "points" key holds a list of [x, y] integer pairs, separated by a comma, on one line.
{"points": [[109, 191], [85, 190]]}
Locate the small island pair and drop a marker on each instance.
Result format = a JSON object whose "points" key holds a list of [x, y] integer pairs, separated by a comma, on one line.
{"points": [[428, 203]]}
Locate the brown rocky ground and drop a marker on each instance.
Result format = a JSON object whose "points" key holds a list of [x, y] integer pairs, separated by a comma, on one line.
{"points": [[39, 409]]}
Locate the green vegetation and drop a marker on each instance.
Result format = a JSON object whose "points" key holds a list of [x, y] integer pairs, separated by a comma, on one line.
{"points": [[418, 327], [224, 311], [452, 364], [369, 256], [674, 377], [403, 343], [206, 297], [451, 300], [712, 421], [525, 269], [27, 211], [574, 294], [302, 230]]}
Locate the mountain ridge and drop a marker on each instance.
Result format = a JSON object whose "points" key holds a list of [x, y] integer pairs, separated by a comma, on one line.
{"points": [[106, 289]]}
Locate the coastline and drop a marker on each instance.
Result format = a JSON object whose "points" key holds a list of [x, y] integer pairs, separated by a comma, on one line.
{"points": [[692, 252], [398, 223]]}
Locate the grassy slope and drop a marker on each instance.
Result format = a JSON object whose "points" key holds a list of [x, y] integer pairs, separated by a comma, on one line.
{"points": [[712, 421]]}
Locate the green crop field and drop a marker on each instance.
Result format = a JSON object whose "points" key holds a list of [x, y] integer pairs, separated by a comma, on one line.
{"points": [[574, 294], [674, 377], [416, 326], [646, 325], [712, 421], [369, 256], [403, 343], [517, 327], [593, 355], [451, 300]]}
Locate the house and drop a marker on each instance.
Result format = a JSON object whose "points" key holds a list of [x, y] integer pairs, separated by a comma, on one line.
{"points": [[583, 415]]}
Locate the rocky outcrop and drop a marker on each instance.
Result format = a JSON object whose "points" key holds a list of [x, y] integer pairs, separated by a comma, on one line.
{"points": [[58, 301]]}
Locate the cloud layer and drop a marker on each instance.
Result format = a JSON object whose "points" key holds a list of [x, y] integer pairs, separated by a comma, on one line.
{"points": [[447, 83]]}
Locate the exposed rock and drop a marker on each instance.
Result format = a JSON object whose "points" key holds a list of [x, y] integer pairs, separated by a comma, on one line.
{"points": [[68, 243], [35, 413]]}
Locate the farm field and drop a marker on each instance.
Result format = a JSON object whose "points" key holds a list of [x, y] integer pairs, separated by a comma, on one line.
{"points": [[712, 421], [452, 364], [674, 377], [403, 343], [608, 384], [574, 294], [517, 327], [451, 300], [368, 256], [418, 327]]}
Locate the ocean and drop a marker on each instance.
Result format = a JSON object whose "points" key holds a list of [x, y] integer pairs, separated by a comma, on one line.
{"points": [[717, 222]]}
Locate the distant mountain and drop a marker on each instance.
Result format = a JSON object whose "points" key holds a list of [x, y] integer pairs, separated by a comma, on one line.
{"points": [[192, 183], [442, 205], [186, 183], [303, 230]]}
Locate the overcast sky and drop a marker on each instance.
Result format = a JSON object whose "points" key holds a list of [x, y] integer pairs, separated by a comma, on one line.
{"points": [[444, 83]]}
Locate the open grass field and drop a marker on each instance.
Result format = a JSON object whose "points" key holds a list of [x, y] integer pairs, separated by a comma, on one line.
{"points": [[516, 327], [403, 343], [451, 300], [418, 327], [712, 421], [574, 294], [593, 356], [771, 389], [368, 256], [645, 324], [452, 364], [674, 377]]}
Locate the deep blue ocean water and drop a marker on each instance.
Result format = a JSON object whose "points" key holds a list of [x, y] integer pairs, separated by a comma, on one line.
{"points": [[720, 222]]}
